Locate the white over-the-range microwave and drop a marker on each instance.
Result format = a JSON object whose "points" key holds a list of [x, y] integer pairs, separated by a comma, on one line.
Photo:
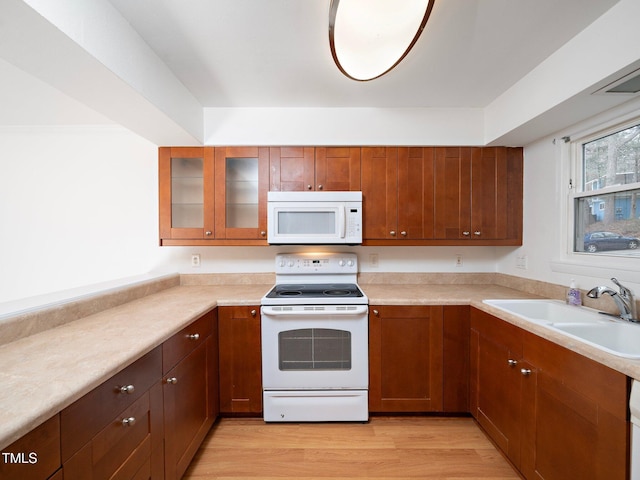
{"points": [[314, 218]]}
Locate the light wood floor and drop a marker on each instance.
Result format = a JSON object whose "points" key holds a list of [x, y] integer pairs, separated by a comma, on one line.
{"points": [[386, 447]]}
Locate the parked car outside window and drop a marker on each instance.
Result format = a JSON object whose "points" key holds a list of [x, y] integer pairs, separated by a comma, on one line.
{"points": [[597, 241]]}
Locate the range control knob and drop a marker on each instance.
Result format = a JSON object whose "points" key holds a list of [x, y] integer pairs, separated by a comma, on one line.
{"points": [[341, 263], [351, 263]]}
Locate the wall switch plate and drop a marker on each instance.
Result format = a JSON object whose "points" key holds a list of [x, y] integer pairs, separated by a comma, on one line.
{"points": [[458, 259], [195, 260], [521, 262], [373, 260]]}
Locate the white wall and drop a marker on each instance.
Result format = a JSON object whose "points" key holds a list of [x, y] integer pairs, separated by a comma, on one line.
{"points": [[546, 242], [78, 205]]}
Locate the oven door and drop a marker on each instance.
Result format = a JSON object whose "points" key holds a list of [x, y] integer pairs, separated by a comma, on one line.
{"points": [[319, 347]]}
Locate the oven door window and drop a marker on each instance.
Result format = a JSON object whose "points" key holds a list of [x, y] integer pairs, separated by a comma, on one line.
{"points": [[314, 349]]}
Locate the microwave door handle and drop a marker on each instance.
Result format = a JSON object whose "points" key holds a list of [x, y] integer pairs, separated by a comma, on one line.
{"points": [[343, 221]]}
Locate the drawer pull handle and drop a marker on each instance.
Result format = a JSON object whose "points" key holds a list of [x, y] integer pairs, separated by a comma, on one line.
{"points": [[195, 336], [129, 422], [128, 389], [172, 380], [376, 313], [525, 371], [512, 363]]}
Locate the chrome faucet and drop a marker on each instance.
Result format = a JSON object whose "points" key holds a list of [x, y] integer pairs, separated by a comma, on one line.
{"points": [[624, 299]]}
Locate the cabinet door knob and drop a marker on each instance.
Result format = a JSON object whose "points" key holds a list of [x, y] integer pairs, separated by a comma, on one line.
{"points": [[253, 313], [263, 233], [512, 363], [172, 380], [376, 313], [392, 233], [309, 187], [403, 233], [194, 336], [466, 234], [525, 371], [320, 187], [208, 233], [129, 422], [129, 389], [477, 233]]}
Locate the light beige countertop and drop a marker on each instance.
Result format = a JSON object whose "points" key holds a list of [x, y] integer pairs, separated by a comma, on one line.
{"points": [[45, 372]]}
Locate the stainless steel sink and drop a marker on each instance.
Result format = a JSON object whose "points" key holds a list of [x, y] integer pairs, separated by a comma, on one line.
{"points": [[587, 325]]}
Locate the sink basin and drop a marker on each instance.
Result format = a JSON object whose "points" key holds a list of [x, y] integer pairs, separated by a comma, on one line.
{"points": [[587, 325], [546, 311], [622, 339]]}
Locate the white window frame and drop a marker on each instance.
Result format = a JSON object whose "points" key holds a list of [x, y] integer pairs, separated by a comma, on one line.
{"points": [[571, 156]]}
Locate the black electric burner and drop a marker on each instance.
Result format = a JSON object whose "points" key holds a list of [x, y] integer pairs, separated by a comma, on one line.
{"points": [[315, 290]]}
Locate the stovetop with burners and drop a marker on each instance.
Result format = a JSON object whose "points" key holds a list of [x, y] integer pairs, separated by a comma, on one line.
{"points": [[325, 278], [315, 290]]}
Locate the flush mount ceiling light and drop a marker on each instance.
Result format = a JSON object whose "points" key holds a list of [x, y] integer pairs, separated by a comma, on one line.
{"points": [[368, 38]]}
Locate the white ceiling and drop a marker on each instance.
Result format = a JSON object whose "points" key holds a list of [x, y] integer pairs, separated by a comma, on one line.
{"points": [[275, 53], [214, 71]]}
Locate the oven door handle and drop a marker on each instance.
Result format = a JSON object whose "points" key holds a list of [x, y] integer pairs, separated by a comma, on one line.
{"points": [[315, 311]]}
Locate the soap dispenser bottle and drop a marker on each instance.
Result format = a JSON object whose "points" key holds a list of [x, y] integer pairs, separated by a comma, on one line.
{"points": [[573, 295]]}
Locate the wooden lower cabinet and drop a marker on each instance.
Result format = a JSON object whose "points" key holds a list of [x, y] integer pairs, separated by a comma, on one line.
{"points": [[240, 360], [405, 359], [35, 456], [147, 421], [553, 412], [189, 392], [409, 359]]}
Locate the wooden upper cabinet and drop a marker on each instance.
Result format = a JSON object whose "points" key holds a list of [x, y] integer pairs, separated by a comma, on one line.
{"points": [[415, 192], [478, 194], [186, 193], [314, 168], [241, 185], [397, 187], [292, 169], [411, 195], [338, 168], [379, 187]]}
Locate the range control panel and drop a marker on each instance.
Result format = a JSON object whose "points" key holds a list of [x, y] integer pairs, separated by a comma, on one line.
{"points": [[316, 263]]}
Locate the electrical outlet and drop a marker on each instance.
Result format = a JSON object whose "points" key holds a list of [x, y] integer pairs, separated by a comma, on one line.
{"points": [[195, 260], [373, 260], [458, 259]]}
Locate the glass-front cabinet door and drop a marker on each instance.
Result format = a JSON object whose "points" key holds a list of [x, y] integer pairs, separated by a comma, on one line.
{"points": [[186, 193], [241, 184]]}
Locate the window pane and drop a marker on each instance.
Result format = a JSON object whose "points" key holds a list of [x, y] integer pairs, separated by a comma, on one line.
{"points": [[612, 160], [608, 222]]}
